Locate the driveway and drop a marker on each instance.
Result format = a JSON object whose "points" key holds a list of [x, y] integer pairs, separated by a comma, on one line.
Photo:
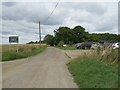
{"points": [[46, 70]]}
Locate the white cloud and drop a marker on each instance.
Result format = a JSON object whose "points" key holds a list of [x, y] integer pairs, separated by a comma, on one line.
{"points": [[22, 18]]}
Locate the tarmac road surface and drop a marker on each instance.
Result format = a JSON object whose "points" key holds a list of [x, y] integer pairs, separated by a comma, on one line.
{"points": [[46, 70]]}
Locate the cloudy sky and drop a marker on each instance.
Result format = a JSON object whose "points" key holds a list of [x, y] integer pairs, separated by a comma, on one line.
{"points": [[21, 18]]}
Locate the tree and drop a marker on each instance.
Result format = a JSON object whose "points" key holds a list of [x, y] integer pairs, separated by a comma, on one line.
{"points": [[49, 39], [36, 41], [79, 34], [118, 39], [93, 37], [31, 42], [70, 36], [63, 34]]}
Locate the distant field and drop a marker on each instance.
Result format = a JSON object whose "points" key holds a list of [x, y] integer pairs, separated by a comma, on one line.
{"points": [[9, 52], [13, 47]]}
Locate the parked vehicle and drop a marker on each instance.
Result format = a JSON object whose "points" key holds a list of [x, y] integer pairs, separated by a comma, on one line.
{"points": [[77, 45], [116, 45], [107, 44], [83, 45], [95, 45]]}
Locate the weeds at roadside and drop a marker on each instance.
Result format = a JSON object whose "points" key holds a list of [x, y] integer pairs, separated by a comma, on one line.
{"points": [[24, 51], [96, 69]]}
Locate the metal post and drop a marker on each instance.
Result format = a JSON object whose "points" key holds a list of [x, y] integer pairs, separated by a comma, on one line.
{"points": [[39, 33], [17, 48], [9, 47]]}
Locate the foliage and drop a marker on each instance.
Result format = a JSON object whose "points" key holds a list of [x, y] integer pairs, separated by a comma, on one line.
{"points": [[77, 35], [69, 36], [63, 34], [49, 39], [31, 42], [103, 37], [60, 44], [118, 39], [71, 43], [36, 42]]}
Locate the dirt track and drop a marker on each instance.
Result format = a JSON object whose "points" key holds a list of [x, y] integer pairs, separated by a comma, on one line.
{"points": [[46, 70]]}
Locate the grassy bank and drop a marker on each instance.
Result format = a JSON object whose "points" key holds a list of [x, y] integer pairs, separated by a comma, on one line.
{"points": [[89, 71], [24, 51]]}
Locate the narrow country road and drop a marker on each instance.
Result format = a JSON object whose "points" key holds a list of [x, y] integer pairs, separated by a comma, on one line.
{"points": [[46, 70]]}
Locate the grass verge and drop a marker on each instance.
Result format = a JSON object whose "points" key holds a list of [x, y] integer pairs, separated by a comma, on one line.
{"points": [[12, 55], [90, 73]]}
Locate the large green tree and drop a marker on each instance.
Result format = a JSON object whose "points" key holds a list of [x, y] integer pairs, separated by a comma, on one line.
{"points": [[63, 34], [77, 35], [49, 39]]}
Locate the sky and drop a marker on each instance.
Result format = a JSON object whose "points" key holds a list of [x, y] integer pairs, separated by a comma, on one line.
{"points": [[21, 18]]}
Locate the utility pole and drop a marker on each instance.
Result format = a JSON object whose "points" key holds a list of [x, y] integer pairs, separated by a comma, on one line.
{"points": [[39, 33]]}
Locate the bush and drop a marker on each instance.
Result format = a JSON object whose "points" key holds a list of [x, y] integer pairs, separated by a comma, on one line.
{"points": [[70, 43], [60, 44]]}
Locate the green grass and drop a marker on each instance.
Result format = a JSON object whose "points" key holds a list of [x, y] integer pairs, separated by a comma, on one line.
{"points": [[12, 55], [90, 73]]}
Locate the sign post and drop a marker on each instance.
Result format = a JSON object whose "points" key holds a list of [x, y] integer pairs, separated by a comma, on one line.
{"points": [[9, 46], [13, 39]]}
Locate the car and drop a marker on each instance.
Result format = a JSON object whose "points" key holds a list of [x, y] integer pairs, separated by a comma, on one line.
{"points": [[116, 45], [94, 46], [77, 45], [83, 45]]}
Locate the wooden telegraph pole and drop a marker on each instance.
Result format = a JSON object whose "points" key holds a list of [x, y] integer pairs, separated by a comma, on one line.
{"points": [[39, 33]]}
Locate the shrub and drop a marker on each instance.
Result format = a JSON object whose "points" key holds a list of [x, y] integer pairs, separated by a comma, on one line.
{"points": [[60, 44], [70, 43]]}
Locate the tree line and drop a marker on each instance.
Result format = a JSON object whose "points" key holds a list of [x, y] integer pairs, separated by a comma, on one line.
{"points": [[77, 35]]}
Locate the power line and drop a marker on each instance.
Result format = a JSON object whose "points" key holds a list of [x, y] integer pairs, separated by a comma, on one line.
{"points": [[53, 10], [47, 20]]}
